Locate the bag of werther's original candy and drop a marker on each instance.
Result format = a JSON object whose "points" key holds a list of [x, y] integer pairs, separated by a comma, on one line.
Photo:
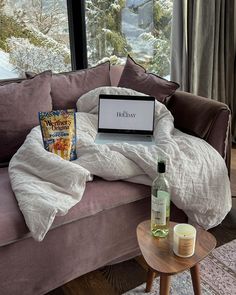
{"points": [[59, 134]]}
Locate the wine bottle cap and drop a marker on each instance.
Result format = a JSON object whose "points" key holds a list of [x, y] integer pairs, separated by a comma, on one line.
{"points": [[161, 167]]}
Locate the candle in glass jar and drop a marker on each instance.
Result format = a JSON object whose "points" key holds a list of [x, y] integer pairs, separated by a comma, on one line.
{"points": [[184, 240]]}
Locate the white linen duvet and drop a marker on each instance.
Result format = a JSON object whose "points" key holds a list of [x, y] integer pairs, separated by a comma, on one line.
{"points": [[45, 185]]}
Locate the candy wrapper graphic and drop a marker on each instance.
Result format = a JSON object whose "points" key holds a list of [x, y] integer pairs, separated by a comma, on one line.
{"points": [[58, 132]]}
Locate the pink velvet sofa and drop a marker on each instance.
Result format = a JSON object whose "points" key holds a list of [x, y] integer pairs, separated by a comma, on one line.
{"points": [[101, 229]]}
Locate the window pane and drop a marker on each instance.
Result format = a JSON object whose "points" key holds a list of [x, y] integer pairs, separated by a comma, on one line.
{"points": [[139, 27], [34, 37]]}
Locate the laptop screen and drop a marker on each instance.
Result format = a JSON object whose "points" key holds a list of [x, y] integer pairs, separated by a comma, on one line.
{"points": [[126, 114]]}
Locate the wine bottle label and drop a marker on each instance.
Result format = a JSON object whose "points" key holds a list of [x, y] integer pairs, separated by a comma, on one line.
{"points": [[159, 205]]}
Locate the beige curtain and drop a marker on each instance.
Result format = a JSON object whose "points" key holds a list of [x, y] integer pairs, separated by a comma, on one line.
{"points": [[203, 50]]}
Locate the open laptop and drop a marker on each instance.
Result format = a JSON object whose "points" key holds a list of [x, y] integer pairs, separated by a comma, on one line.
{"points": [[125, 118]]}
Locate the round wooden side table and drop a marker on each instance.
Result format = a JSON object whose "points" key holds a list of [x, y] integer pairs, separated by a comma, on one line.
{"points": [[158, 254]]}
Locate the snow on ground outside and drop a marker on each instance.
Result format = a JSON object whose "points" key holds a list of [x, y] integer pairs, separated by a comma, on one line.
{"points": [[7, 70]]}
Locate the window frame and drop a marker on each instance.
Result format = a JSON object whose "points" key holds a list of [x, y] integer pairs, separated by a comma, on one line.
{"points": [[77, 34]]}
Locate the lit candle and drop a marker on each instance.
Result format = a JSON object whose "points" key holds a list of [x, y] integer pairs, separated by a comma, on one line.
{"points": [[184, 240]]}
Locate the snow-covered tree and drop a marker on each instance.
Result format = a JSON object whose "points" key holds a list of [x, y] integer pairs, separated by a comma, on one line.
{"points": [[104, 32], [104, 37], [43, 15], [160, 62], [28, 57], [2, 4], [29, 49], [160, 37]]}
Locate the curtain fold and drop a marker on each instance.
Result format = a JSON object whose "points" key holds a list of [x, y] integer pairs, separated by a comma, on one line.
{"points": [[203, 50]]}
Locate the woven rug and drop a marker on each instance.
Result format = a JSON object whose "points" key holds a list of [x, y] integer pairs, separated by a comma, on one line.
{"points": [[218, 275]]}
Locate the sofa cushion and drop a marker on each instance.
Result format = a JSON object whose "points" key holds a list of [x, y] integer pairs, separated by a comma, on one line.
{"points": [[19, 106], [135, 77], [99, 195], [103, 195], [12, 222], [68, 87]]}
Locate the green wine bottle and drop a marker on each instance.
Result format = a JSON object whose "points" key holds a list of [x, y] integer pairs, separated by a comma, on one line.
{"points": [[160, 207]]}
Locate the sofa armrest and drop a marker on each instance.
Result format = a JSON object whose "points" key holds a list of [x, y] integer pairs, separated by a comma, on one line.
{"points": [[204, 118]]}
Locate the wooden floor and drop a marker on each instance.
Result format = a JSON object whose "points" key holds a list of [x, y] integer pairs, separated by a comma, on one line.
{"points": [[119, 278]]}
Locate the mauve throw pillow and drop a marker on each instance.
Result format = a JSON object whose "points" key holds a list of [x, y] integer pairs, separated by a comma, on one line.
{"points": [[135, 77], [68, 87], [19, 107]]}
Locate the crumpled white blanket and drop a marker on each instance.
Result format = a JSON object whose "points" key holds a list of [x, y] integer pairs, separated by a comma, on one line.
{"points": [[46, 185]]}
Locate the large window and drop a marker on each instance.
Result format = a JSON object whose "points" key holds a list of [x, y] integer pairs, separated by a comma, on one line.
{"points": [[139, 27], [34, 36]]}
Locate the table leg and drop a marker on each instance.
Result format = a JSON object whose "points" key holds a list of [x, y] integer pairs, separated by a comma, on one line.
{"points": [[164, 284], [150, 277], [195, 274]]}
